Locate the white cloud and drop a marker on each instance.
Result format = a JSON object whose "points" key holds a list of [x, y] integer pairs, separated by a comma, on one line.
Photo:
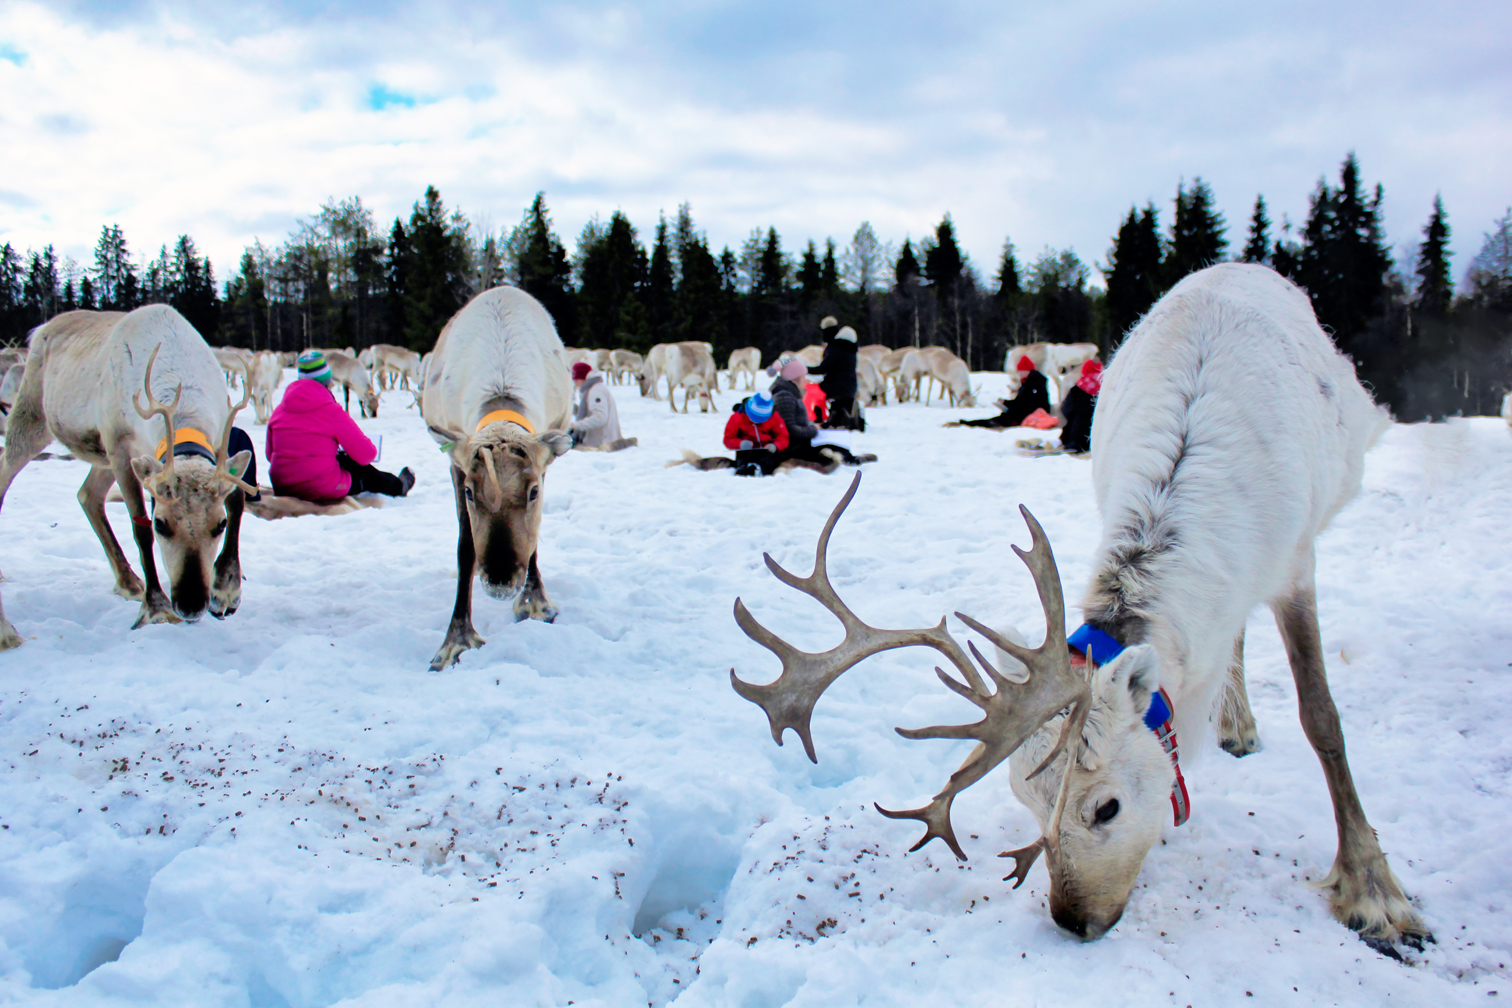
{"points": [[1043, 124]]}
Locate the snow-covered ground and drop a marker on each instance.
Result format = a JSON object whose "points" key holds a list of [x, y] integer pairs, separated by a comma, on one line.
{"points": [[288, 809]]}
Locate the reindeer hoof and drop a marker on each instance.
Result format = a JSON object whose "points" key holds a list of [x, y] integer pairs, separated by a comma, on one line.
{"points": [[130, 591], [536, 609], [1242, 746], [8, 636], [456, 642], [152, 615]]}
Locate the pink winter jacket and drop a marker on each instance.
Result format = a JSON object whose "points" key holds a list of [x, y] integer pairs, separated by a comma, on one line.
{"points": [[303, 433]]}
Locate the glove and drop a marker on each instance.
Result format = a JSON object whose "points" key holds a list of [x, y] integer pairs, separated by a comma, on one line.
{"points": [[746, 444], [770, 447]]}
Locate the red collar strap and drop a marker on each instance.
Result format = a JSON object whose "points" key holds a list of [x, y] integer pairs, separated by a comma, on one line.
{"points": [[1165, 734]]}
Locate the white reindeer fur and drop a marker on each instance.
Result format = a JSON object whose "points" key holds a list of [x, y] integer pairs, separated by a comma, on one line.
{"points": [[746, 360], [1229, 432], [473, 365]]}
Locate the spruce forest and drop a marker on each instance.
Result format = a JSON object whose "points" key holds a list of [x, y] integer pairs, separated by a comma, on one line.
{"points": [[1427, 350]]}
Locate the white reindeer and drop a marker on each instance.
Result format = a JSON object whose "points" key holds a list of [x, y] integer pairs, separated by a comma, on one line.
{"points": [[952, 374], [651, 371], [347, 372], [498, 398], [84, 384], [747, 361], [624, 364], [890, 367], [1229, 433], [266, 376], [690, 365], [234, 361], [870, 388]]}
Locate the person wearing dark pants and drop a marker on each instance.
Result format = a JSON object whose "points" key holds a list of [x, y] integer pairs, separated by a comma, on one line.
{"points": [[1033, 394], [787, 400], [838, 379], [366, 479], [1078, 407]]}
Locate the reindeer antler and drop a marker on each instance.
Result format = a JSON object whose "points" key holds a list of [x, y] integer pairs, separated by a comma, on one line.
{"points": [[1013, 710], [789, 702], [158, 409], [223, 454]]}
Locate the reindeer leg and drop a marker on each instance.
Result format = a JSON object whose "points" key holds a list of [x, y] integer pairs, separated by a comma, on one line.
{"points": [[155, 605], [460, 635], [532, 602], [225, 596], [1236, 722], [25, 436], [1362, 891], [92, 499]]}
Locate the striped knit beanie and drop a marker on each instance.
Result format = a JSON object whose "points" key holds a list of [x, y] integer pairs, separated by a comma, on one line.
{"points": [[759, 407], [312, 364]]}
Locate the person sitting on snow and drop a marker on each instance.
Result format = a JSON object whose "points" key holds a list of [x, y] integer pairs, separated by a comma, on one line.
{"points": [[595, 419], [316, 451], [756, 434], [1033, 394], [787, 399], [1078, 407]]}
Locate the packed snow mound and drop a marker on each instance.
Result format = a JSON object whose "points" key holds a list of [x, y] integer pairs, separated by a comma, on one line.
{"points": [[288, 809]]}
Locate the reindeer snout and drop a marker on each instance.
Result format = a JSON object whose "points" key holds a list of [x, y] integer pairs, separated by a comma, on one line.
{"points": [[1085, 925]]}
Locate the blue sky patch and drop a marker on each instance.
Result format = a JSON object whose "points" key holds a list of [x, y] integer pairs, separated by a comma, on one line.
{"points": [[12, 54], [380, 97]]}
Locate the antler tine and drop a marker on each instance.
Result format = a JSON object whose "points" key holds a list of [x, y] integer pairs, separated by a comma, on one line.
{"points": [[1023, 860], [158, 409], [223, 454], [789, 701], [1015, 710]]}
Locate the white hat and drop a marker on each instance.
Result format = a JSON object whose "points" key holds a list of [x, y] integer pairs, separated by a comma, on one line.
{"points": [[828, 321], [847, 333]]}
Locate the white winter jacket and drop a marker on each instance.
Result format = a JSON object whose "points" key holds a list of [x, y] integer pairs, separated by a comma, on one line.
{"points": [[596, 419]]}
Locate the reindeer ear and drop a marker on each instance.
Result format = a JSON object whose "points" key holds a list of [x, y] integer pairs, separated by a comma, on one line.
{"points": [[146, 467], [1136, 670], [560, 442]]}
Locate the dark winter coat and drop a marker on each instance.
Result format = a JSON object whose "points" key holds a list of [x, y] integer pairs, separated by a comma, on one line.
{"points": [[839, 370], [1033, 394], [789, 405], [739, 428], [1078, 408]]}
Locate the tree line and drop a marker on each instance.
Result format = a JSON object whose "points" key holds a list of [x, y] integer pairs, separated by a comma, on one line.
{"points": [[339, 280]]}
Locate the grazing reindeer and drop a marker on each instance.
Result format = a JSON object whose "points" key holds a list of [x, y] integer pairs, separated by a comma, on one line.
{"points": [[350, 375], [890, 367], [652, 369], [498, 396], [84, 385], [398, 366], [954, 378], [265, 377], [1230, 432], [624, 364], [234, 361], [746, 360], [691, 366]]}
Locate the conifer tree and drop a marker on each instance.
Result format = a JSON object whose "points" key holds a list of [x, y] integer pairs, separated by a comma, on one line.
{"points": [[1135, 273], [1489, 279], [39, 291], [809, 275], [246, 306], [1343, 262], [943, 262], [906, 271], [1435, 289], [396, 281], [1008, 284], [660, 289], [613, 271], [772, 272], [1197, 239], [115, 279], [12, 313], [545, 272], [829, 275], [191, 288], [1258, 248]]}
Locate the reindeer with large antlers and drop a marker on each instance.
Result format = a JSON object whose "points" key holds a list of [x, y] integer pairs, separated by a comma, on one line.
{"points": [[85, 383], [1229, 433]]}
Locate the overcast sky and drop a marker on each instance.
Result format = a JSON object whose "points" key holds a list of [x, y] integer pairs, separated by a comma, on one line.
{"points": [[1041, 122]]}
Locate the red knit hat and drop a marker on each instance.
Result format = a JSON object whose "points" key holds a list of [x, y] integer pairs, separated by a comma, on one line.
{"points": [[580, 370], [1025, 364]]}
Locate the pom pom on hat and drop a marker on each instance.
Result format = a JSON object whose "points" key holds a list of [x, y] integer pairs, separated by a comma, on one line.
{"points": [[846, 333], [312, 364], [759, 407], [580, 370], [827, 321]]}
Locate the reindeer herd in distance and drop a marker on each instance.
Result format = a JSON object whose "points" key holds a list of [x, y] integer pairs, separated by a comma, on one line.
{"points": [[1230, 431]]}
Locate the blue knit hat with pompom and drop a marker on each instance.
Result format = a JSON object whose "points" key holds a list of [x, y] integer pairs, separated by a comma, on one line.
{"points": [[758, 407]]}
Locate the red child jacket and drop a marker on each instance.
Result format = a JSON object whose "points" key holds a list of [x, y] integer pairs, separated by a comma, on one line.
{"points": [[770, 431]]}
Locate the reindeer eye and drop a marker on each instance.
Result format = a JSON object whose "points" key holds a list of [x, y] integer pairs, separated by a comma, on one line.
{"points": [[219, 528], [162, 528], [467, 492], [1106, 811], [535, 492]]}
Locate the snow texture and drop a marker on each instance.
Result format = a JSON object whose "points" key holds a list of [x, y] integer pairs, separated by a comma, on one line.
{"points": [[288, 809]]}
